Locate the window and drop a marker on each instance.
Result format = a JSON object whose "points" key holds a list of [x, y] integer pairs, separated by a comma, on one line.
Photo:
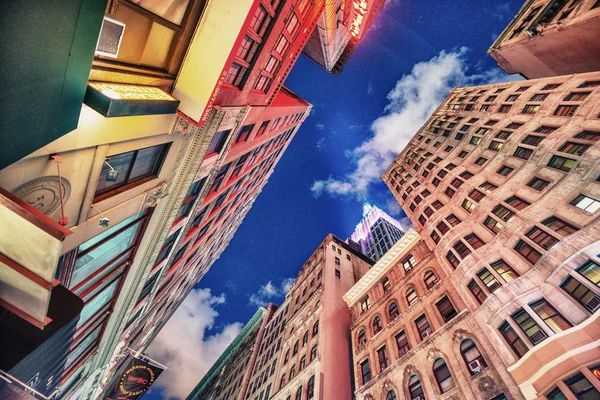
{"points": [[514, 341], [402, 342], [574, 148], [235, 75], [590, 83], [496, 146], [531, 108], [504, 170], [577, 96], [474, 240], [539, 97], [529, 326], [580, 293], [503, 135], [562, 163], [488, 279], [411, 296], [492, 224], [121, 171], [588, 135], [517, 202], [556, 394], [409, 262], [586, 203], [437, 204], [442, 375], [504, 270], [310, 390], [528, 252], [472, 356], [430, 279], [296, 345], [475, 140], [565, 110], [435, 236], [167, 246], [461, 249], [337, 261], [292, 25], [504, 108], [423, 326], [391, 395], [582, 388], [377, 325], [305, 339], [541, 238], [476, 195], [258, 19], [446, 309], [302, 363], [247, 49], [365, 371], [533, 140], [560, 226], [414, 388], [523, 152], [337, 273], [219, 178], [476, 291], [488, 187], [452, 259], [299, 393], [282, 45], [262, 84], [362, 337], [453, 220], [315, 329], [550, 316], [313, 352], [591, 271], [383, 358], [481, 161], [538, 184]]}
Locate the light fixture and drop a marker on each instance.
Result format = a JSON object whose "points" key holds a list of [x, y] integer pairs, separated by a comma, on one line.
{"points": [[103, 221], [113, 174]]}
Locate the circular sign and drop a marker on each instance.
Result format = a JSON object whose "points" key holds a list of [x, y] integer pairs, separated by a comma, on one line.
{"points": [[43, 193], [136, 380]]}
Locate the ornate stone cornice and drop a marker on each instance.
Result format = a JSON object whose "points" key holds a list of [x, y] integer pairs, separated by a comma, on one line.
{"points": [[381, 267]]}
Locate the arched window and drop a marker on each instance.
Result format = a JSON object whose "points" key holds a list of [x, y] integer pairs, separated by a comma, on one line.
{"points": [[414, 387], [303, 362], [442, 375], [313, 352], [386, 284], [310, 390], [292, 372], [391, 395], [362, 337], [287, 357], [295, 348], [376, 324], [282, 381], [299, 393], [393, 310], [305, 339], [472, 356], [430, 279], [411, 296], [315, 328]]}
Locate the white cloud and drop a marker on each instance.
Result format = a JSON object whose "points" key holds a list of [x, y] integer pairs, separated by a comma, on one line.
{"points": [[370, 89], [414, 98], [269, 292], [182, 345], [393, 207], [320, 126], [321, 144]]}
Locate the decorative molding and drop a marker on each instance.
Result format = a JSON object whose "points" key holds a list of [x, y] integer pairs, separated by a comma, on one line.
{"points": [[43, 193], [155, 194], [381, 267]]}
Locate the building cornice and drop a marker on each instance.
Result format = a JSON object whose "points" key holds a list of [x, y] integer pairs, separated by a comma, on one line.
{"points": [[381, 267]]}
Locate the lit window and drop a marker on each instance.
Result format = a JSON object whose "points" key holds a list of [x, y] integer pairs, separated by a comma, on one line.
{"points": [[586, 203]]}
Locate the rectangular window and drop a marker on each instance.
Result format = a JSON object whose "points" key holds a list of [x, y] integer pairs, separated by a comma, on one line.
{"points": [[550, 316], [591, 271], [541, 237], [468, 205], [565, 110], [581, 293], [588, 84], [122, 171], [504, 108], [528, 252], [582, 388], [457, 183], [523, 152], [423, 326], [235, 75], [577, 96], [586, 203], [574, 148], [461, 249], [453, 220], [247, 49], [383, 358], [450, 192], [217, 142], [365, 371], [446, 309], [402, 343], [529, 327], [435, 236], [531, 108], [504, 170], [492, 224], [504, 270], [474, 240], [503, 135], [538, 184], [560, 226], [538, 97], [496, 146], [262, 84], [476, 195], [551, 86], [282, 45], [452, 259], [219, 178], [481, 161], [437, 204], [489, 280], [442, 227], [476, 291], [488, 187], [533, 140], [517, 202], [513, 339]]}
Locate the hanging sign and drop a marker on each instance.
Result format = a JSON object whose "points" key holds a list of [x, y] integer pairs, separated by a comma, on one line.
{"points": [[133, 380]]}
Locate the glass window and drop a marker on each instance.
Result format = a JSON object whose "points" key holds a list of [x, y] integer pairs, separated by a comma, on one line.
{"points": [[402, 342], [217, 142], [586, 203], [504, 270], [442, 375], [411, 296], [365, 371], [391, 395], [472, 356], [580, 293], [383, 358], [528, 325], [376, 324], [556, 394], [476, 291], [414, 388], [362, 337], [430, 279], [562, 163], [550, 316], [513, 340], [582, 388], [423, 326], [488, 279], [310, 391], [393, 310], [528, 252], [541, 237], [446, 309]]}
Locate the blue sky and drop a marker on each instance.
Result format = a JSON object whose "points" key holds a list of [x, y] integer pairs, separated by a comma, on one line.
{"points": [[406, 64]]}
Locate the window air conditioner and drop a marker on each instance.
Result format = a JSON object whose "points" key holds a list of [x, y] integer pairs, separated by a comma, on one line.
{"points": [[424, 334], [111, 36], [475, 366], [593, 303]]}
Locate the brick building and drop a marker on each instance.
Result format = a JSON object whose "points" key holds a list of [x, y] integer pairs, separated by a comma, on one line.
{"points": [[502, 183], [549, 38], [414, 337]]}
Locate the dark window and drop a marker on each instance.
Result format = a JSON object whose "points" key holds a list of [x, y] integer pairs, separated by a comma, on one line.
{"points": [[560, 226], [365, 371], [415, 389], [541, 238], [362, 337], [476, 195], [550, 316], [504, 170], [310, 390], [402, 342], [556, 394], [513, 340], [393, 310], [588, 135], [492, 224], [299, 393], [435, 236], [529, 327], [383, 358], [461, 249], [531, 108], [126, 169], [591, 271], [474, 240], [503, 135], [488, 279], [488, 187], [565, 110], [538, 184], [453, 220], [476, 291], [577, 96], [391, 395], [423, 326], [533, 140], [446, 309], [574, 148], [376, 325], [452, 259], [430, 279], [437, 204], [496, 146], [504, 108], [481, 161], [411, 296], [581, 293], [442, 375], [545, 129], [582, 388], [504, 270], [528, 252], [442, 227], [517, 202], [523, 152], [472, 356], [539, 97]]}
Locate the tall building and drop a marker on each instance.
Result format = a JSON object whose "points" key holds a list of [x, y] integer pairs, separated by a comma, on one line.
{"points": [[341, 27], [304, 351], [228, 376], [549, 38], [377, 232], [502, 182], [409, 319]]}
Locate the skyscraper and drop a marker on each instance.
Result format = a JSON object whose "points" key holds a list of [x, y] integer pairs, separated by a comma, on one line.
{"points": [[377, 232], [502, 184]]}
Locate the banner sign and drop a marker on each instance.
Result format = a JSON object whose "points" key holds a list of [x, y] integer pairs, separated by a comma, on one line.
{"points": [[133, 380]]}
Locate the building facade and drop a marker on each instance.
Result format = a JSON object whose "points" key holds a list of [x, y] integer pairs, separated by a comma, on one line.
{"points": [[414, 337], [550, 38], [502, 183], [377, 232]]}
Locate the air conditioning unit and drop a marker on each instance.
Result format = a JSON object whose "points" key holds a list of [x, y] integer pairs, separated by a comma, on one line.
{"points": [[111, 36], [593, 303], [424, 335], [475, 366]]}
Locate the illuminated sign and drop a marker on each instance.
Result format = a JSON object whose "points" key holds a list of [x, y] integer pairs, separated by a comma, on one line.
{"points": [[360, 15], [119, 100]]}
